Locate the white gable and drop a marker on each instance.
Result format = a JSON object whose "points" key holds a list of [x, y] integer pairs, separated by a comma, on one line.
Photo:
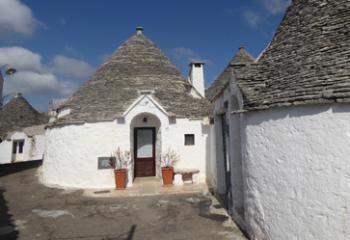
{"points": [[145, 103]]}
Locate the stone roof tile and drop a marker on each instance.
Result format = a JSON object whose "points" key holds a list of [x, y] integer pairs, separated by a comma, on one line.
{"points": [[138, 64], [241, 58], [18, 114], [307, 62]]}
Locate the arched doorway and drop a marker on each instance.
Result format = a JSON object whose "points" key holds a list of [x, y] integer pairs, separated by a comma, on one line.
{"points": [[145, 145]]}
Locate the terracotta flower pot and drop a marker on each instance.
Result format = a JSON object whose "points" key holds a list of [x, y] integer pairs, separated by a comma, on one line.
{"points": [[120, 178], [167, 175]]}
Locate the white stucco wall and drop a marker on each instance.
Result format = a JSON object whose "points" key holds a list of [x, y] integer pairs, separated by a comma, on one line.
{"points": [[33, 148], [297, 173], [211, 170], [5, 151], [72, 151], [229, 100]]}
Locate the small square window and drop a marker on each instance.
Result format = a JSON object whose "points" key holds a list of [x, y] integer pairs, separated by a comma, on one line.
{"points": [[189, 139]]}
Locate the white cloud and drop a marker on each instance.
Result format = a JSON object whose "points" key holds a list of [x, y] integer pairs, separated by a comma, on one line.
{"points": [[20, 58], [252, 18], [35, 78], [183, 53], [71, 67], [275, 6], [268, 9], [33, 83], [15, 17], [187, 55]]}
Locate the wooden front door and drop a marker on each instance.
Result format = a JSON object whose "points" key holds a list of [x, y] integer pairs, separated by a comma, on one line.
{"points": [[144, 152]]}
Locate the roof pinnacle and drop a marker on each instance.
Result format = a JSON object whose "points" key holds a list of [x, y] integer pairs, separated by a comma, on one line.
{"points": [[139, 30]]}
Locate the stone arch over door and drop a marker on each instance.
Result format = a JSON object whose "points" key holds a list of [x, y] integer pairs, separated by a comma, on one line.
{"points": [[146, 121]]}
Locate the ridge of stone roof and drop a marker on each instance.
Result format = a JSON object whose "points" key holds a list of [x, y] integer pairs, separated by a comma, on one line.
{"points": [[137, 65], [307, 61], [17, 114], [241, 58]]}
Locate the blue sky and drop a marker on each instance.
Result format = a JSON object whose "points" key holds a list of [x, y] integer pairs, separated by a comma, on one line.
{"points": [[57, 45]]}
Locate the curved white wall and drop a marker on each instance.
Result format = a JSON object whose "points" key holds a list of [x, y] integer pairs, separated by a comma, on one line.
{"points": [[297, 173], [72, 151]]}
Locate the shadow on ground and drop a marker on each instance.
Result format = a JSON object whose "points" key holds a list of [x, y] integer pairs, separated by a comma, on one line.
{"points": [[8, 229], [30, 210]]}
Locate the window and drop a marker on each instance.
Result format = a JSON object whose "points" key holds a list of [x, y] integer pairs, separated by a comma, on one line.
{"points": [[14, 147], [17, 146], [211, 120], [197, 65], [20, 146], [189, 139]]}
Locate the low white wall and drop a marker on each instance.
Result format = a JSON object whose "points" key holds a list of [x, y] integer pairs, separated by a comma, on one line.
{"points": [[5, 151], [71, 157], [33, 148], [193, 156], [297, 174], [211, 170], [72, 151]]}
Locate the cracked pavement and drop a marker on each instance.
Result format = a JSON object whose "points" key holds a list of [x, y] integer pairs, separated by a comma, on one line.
{"points": [[31, 211]]}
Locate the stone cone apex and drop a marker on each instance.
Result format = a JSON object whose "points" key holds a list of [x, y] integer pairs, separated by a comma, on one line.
{"points": [[17, 114], [137, 65], [242, 57]]}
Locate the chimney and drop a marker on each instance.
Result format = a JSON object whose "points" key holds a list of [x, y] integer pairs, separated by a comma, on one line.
{"points": [[139, 30], [196, 77]]}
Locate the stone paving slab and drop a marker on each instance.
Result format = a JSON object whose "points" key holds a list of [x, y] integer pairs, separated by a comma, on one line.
{"points": [[148, 187], [32, 211]]}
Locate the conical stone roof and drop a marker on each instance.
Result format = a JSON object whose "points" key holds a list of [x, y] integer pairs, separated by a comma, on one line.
{"points": [[18, 114], [137, 65], [241, 58], [308, 60]]}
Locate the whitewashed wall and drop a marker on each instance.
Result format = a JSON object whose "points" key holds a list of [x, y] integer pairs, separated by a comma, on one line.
{"points": [[297, 173], [5, 151], [211, 170], [33, 148], [72, 151], [229, 100]]}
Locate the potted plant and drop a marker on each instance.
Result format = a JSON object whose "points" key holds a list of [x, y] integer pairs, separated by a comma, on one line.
{"points": [[119, 162], [168, 161]]}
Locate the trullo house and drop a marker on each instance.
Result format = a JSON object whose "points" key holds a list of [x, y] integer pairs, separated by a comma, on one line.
{"points": [[282, 125], [136, 101], [22, 131]]}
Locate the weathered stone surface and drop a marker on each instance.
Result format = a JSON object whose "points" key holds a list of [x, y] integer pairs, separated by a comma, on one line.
{"points": [[18, 114], [136, 65], [308, 60], [240, 59]]}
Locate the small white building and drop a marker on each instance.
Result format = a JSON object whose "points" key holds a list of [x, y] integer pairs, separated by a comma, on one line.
{"points": [[22, 132], [137, 101], [282, 126]]}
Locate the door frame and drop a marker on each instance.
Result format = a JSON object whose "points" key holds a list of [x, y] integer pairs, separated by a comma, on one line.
{"points": [[153, 148]]}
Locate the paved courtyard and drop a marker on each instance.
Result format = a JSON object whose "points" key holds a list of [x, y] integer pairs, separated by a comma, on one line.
{"points": [[32, 211]]}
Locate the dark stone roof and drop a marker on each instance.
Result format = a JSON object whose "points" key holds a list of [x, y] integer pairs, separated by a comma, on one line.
{"points": [[241, 58], [18, 114], [307, 62], [138, 64]]}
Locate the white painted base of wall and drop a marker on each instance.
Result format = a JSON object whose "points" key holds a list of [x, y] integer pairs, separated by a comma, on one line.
{"points": [[297, 174], [72, 151], [33, 148]]}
